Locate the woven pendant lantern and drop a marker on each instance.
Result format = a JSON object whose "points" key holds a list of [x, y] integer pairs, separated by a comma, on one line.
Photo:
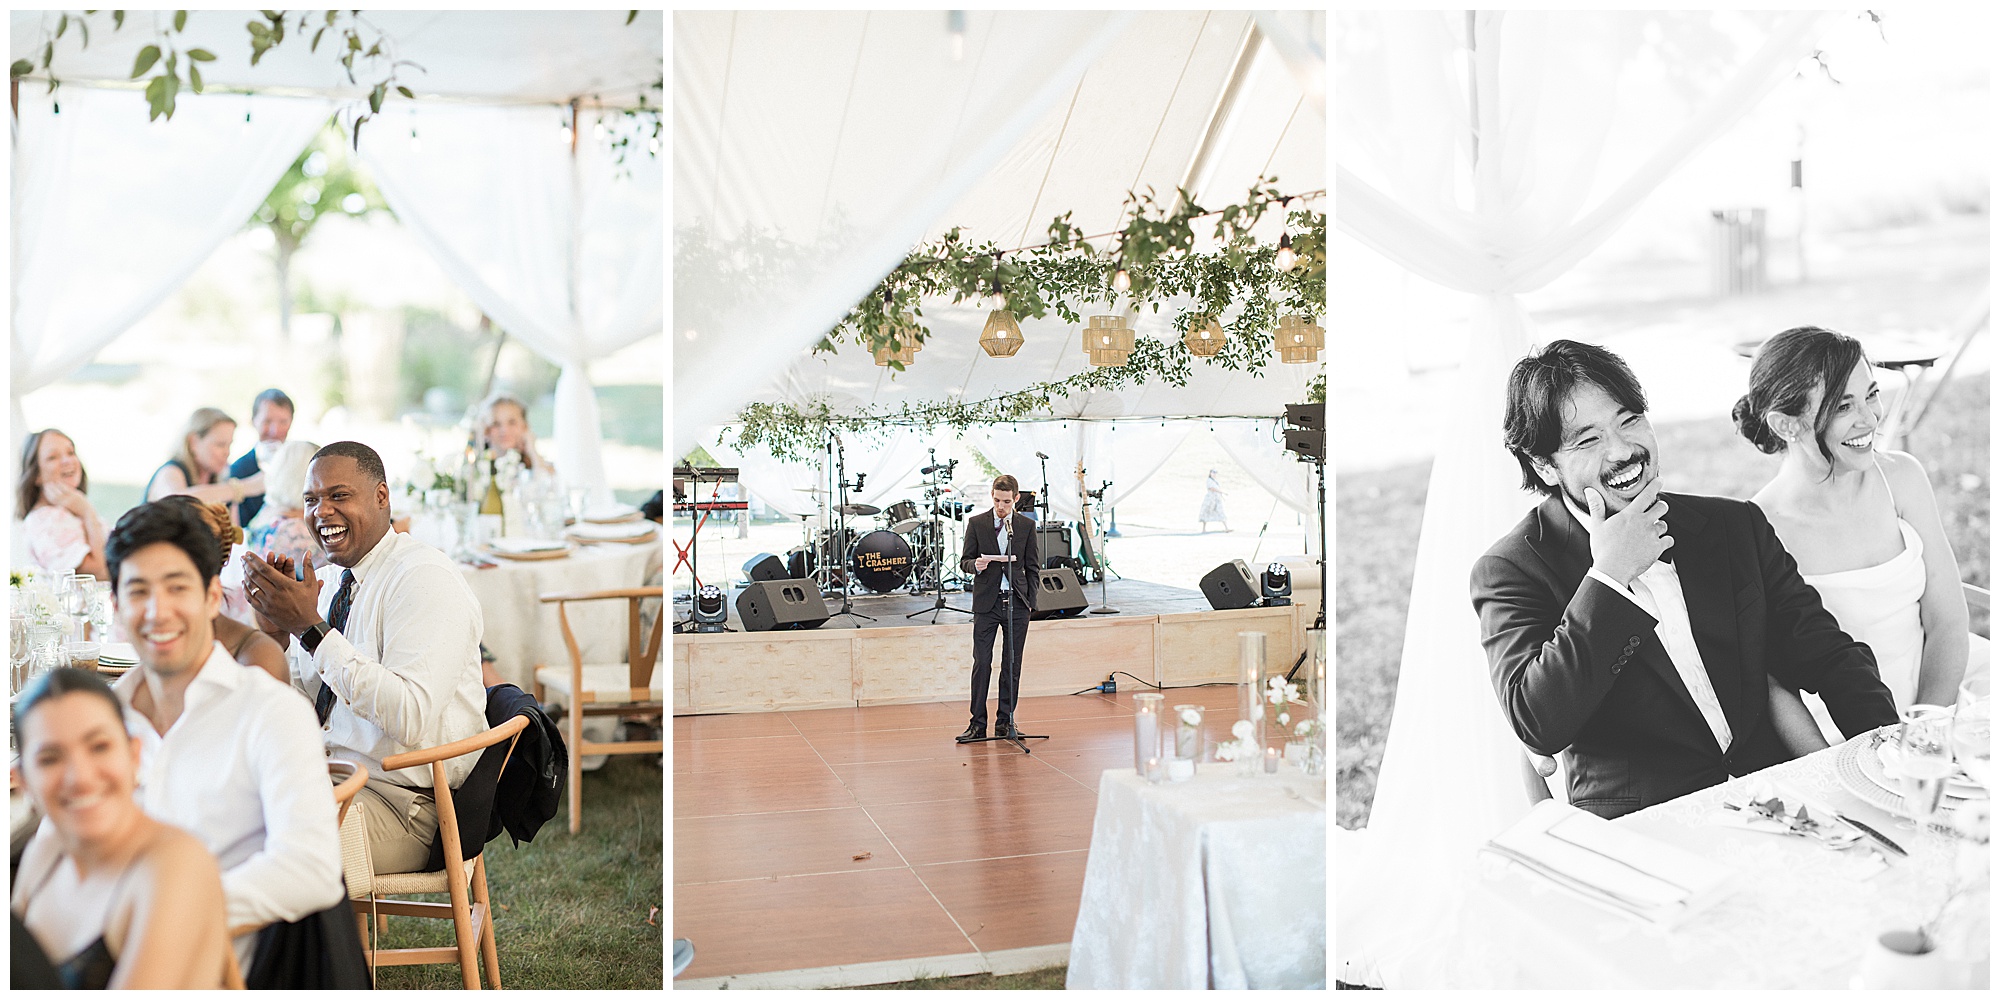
{"points": [[1298, 341], [905, 335], [1002, 336], [1108, 341], [1205, 339]]}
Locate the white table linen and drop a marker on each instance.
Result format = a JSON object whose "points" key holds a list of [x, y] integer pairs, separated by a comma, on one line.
{"points": [[522, 632], [1798, 918], [1216, 882]]}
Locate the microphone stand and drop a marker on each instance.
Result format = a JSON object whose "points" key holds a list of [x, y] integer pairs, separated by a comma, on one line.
{"points": [[847, 579], [1103, 567]]}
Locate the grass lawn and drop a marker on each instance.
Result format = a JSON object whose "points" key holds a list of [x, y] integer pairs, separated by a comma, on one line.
{"points": [[576, 912], [1379, 512]]}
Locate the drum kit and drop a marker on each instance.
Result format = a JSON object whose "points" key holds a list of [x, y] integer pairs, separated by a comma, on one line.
{"points": [[908, 549]]}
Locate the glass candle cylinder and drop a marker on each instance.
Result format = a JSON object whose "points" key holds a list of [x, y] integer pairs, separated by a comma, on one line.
{"points": [[1145, 729], [1250, 698], [1187, 732]]}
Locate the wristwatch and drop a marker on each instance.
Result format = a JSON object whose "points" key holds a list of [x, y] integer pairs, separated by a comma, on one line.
{"points": [[310, 637]]}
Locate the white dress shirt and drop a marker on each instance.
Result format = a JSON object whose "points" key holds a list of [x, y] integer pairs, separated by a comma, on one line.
{"points": [[1000, 531], [1657, 592], [242, 770], [406, 667]]}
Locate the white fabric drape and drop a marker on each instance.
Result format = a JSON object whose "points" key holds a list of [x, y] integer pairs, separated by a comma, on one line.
{"points": [[111, 214], [1126, 453], [1491, 202], [563, 251], [890, 463], [1258, 448], [751, 121]]}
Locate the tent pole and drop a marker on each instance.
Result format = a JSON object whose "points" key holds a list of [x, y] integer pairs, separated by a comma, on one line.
{"points": [[1195, 177]]}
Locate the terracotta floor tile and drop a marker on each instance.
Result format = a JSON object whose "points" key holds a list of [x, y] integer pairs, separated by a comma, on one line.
{"points": [[711, 727], [720, 848], [1019, 820], [1011, 902], [940, 779], [743, 753], [772, 789], [807, 922]]}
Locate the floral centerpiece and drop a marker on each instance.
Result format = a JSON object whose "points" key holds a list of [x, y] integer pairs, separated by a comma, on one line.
{"points": [[1284, 700]]}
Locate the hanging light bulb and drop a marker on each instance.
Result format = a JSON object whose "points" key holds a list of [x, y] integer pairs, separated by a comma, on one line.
{"points": [[597, 130], [1285, 258], [1122, 280]]}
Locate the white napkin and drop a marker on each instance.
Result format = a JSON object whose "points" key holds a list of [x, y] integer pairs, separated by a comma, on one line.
{"points": [[1610, 865]]}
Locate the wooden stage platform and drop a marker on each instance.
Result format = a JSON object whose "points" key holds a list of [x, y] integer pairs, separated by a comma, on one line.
{"points": [[1162, 635]]}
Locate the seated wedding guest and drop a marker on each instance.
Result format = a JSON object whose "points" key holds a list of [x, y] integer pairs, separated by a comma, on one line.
{"points": [[389, 656], [118, 899], [63, 532], [280, 524], [271, 417], [1861, 522], [245, 644], [199, 465], [1624, 626], [503, 427], [227, 753]]}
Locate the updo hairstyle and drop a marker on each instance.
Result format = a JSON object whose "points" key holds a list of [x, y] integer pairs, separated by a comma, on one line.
{"points": [[1788, 368]]}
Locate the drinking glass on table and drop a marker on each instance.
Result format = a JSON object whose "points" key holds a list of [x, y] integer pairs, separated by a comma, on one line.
{"points": [[1923, 764], [1972, 728]]}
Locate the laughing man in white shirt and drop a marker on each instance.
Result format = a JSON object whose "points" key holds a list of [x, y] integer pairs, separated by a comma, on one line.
{"points": [[226, 752], [388, 656]]}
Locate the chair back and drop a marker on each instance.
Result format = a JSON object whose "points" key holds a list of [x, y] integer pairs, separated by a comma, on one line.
{"points": [[464, 812], [642, 651], [353, 776]]}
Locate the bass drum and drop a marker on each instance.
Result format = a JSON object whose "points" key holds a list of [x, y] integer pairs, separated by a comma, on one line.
{"points": [[880, 561]]}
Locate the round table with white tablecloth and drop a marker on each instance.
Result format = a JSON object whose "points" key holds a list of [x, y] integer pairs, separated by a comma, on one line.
{"points": [[522, 632]]}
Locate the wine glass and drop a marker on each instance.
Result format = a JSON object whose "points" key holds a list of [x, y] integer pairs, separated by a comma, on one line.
{"points": [[1923, 763], [1972, 728]]}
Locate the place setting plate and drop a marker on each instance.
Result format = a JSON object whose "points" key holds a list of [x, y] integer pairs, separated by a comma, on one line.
{"points": [[630, 532], [1864, 770], [618, 513], [115, 658], [527, 549]]}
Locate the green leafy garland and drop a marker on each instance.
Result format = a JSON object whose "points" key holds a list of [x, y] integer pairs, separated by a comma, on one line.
{"points": [[1155, 253]]}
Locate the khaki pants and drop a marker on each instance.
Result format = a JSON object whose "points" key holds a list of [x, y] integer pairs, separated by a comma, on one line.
{"points": [[402, 823]]}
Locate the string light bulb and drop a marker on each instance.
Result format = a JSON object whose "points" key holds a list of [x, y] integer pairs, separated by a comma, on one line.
{"points": [[1122, 280], [1285, 258]]}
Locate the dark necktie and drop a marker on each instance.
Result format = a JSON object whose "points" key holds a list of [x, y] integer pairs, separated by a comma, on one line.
{"points": [[336, 616]]}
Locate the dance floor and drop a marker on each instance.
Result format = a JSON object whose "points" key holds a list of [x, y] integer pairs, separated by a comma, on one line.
{"points": [[838, 837]]}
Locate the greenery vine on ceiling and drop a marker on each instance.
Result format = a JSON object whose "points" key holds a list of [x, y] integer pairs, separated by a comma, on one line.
{"points": [[1066, 275]]}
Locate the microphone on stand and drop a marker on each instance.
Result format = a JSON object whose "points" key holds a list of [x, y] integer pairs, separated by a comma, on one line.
{"points": [[1041, 456]]}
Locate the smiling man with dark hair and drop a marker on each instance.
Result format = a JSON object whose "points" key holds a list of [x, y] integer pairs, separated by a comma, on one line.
{"points": [[1631, 630], [389, 657]]}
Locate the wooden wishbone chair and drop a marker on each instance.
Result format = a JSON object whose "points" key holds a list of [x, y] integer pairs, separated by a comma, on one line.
{"points": [[629, 688], [352, 776]]}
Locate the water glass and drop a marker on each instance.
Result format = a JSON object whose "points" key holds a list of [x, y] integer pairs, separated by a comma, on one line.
{"points": [[1923, 763], [1972, 728]]}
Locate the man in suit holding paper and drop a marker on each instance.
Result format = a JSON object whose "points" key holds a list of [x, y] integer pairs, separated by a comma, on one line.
{"points": [[1638, 632], [1000, 551]]}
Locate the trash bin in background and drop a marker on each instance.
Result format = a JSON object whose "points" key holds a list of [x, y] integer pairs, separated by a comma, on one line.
{"points": [[1736, 251]]}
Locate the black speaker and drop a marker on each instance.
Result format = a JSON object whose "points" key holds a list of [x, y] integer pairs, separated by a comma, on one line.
{"points": [[1308, 445], [780, 604], [1309, 416], [1052, 544], [765, 566], [1230, 585], [1061, 595]]}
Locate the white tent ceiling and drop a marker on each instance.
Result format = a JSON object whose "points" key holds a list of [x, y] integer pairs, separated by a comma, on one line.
{"points": [[828, 130], [490, 57]]}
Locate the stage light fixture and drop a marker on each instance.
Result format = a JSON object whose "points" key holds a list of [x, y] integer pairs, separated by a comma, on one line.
{"points": [[1277, 585], [711, 612]]}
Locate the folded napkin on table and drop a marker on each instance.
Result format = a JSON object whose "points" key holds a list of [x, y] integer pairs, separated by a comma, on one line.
{"points": [[1612, 866]]}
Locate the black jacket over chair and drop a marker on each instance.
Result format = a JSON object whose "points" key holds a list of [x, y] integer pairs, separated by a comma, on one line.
{"points": [[532, 784]]}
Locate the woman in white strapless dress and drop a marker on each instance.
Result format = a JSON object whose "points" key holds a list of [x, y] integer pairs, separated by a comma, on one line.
{"points": [[1862, 525]]}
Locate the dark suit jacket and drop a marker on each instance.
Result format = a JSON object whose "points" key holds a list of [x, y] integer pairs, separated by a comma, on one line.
{"points": [[981, 539], [244, 468], [1580, 670]]}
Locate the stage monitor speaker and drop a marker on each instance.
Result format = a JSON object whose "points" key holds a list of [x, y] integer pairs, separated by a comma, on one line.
{"points": [[1061, 595], [1308, 445], [1230, 586], [1307, 416], [1052, 543], [769, 605], [765, 566]]}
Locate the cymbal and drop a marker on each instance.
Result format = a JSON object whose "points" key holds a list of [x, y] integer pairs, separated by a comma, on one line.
{"points": [[859, 510]]}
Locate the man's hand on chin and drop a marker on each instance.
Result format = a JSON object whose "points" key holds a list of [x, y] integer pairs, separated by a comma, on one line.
{"points": [[1624, 544]]}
